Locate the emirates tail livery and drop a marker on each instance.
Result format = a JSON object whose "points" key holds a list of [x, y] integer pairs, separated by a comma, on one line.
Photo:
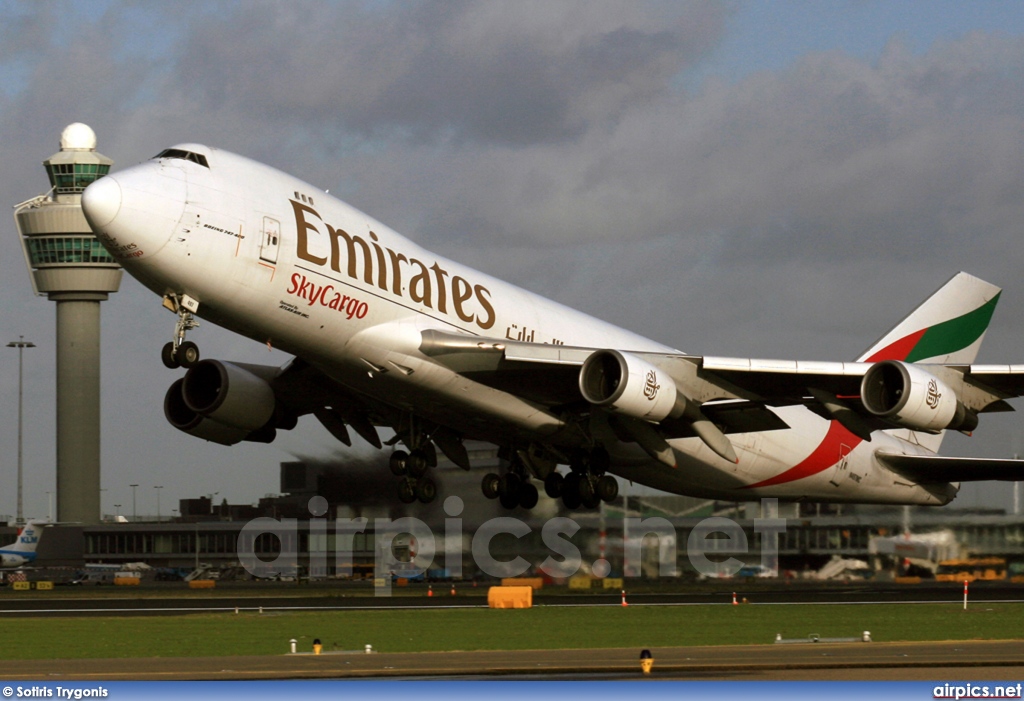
{"points": [[386, 333]]}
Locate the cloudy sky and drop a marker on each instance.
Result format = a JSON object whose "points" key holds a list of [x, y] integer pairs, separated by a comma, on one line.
{"points": [[768, 179]]}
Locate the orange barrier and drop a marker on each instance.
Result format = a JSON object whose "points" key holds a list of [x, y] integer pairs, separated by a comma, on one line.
{"points": [[126, 581], [510, 597], [202, 584], [535, 583]]}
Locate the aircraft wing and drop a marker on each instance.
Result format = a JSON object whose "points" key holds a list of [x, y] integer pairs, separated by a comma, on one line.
{"points": [[710, 377], [725, 389], [933, 468]]}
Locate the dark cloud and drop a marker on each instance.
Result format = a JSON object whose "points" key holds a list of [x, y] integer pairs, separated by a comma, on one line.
{"points": [[504, 73]]}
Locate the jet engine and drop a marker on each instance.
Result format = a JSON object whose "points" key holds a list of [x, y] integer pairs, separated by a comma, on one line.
{"points": [[223, 403], [909, 396], [626, 384]]}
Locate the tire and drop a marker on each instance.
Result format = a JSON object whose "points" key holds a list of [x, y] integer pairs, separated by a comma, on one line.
{"points": [[406, 491], [571, 491], [188, 354], [587, 491], [489, 485], [417, 463], [509, 501], [607, 489], [553, 485], [167, 356], [528, 496], [426, 490], [510, 485], [591, 503], [399, 463]]}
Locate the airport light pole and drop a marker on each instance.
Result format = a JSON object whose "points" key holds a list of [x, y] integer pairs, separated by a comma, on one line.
{"points": [[135, 515], [158, 488], [21, 344]]}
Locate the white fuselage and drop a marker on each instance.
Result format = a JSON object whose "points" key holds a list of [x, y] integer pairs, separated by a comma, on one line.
{"points": [[270, 257]]}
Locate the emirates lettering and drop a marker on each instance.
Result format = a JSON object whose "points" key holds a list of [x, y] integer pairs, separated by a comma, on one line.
{"points": [[374, 264]]}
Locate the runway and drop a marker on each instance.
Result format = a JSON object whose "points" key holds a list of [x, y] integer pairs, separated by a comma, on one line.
{"points": [[942, 661], [168, 602]]}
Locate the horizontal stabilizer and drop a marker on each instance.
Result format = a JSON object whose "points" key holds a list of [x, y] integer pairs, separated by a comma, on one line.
{"points": [[933, 468]]}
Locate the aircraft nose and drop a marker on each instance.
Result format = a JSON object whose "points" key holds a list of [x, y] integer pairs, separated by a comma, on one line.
{"points": [[101, 202], [135, 211]]}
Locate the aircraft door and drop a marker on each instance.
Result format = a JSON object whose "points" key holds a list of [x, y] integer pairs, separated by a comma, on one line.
{"points": [[270, 240]]}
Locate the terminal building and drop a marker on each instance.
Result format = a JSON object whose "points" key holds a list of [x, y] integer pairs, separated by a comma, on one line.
{"points": [[207, 534]]}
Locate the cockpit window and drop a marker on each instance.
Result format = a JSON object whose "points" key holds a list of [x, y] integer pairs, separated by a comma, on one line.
{"points": [[184, 155]]}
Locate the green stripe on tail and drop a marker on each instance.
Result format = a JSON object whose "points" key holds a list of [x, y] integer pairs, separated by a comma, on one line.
{"points": [[954, 335]]}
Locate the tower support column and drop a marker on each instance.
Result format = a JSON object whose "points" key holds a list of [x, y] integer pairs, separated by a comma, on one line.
{"points": [[78, 407]]}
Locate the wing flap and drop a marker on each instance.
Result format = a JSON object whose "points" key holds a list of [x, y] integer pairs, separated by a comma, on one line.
{"points": [[1003, 380], [934, 468]]}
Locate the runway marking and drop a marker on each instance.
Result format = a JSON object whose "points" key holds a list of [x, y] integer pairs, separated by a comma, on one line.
{"points": [[266, 609]]}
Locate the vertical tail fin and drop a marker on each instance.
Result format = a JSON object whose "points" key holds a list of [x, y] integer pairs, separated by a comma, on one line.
{"points": [[28, 539], [947, 328]]}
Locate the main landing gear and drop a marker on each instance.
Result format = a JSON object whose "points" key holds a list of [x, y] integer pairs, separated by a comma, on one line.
{"points": [[414, 483], [180, 353], [511, 489], [586, 484]]}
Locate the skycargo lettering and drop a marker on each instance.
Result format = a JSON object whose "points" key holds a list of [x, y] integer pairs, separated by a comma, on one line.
{"points": [[325, 296], [433, 286]]}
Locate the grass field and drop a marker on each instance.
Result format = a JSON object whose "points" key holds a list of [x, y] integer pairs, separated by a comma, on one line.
{"points": [[485, 629]]}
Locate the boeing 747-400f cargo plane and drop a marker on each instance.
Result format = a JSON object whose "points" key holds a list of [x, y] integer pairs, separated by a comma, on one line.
{"points": [[385, 333]]}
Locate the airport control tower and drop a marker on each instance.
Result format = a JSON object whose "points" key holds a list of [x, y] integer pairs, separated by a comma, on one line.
{"points": [[72, 268]]}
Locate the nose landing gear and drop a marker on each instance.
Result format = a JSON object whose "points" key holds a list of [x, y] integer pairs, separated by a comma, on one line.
{"points": [[180, 353]]}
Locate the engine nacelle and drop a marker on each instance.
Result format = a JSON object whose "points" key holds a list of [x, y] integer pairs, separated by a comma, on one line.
{"points": [[626, 384], [184, 419], [229, 395], [911, 397]]}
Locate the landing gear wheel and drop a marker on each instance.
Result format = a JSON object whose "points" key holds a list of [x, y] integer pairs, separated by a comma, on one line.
{"points": [[508, 490], [571, 491], [489, 485], [509, 484], [553, 485], [399, 463], [592, 503], [407, 491], [587, 491], [417, 463], [509, 500], [528, 496], [607, 489], [167, 356], [188, 354], [426, 490]]}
